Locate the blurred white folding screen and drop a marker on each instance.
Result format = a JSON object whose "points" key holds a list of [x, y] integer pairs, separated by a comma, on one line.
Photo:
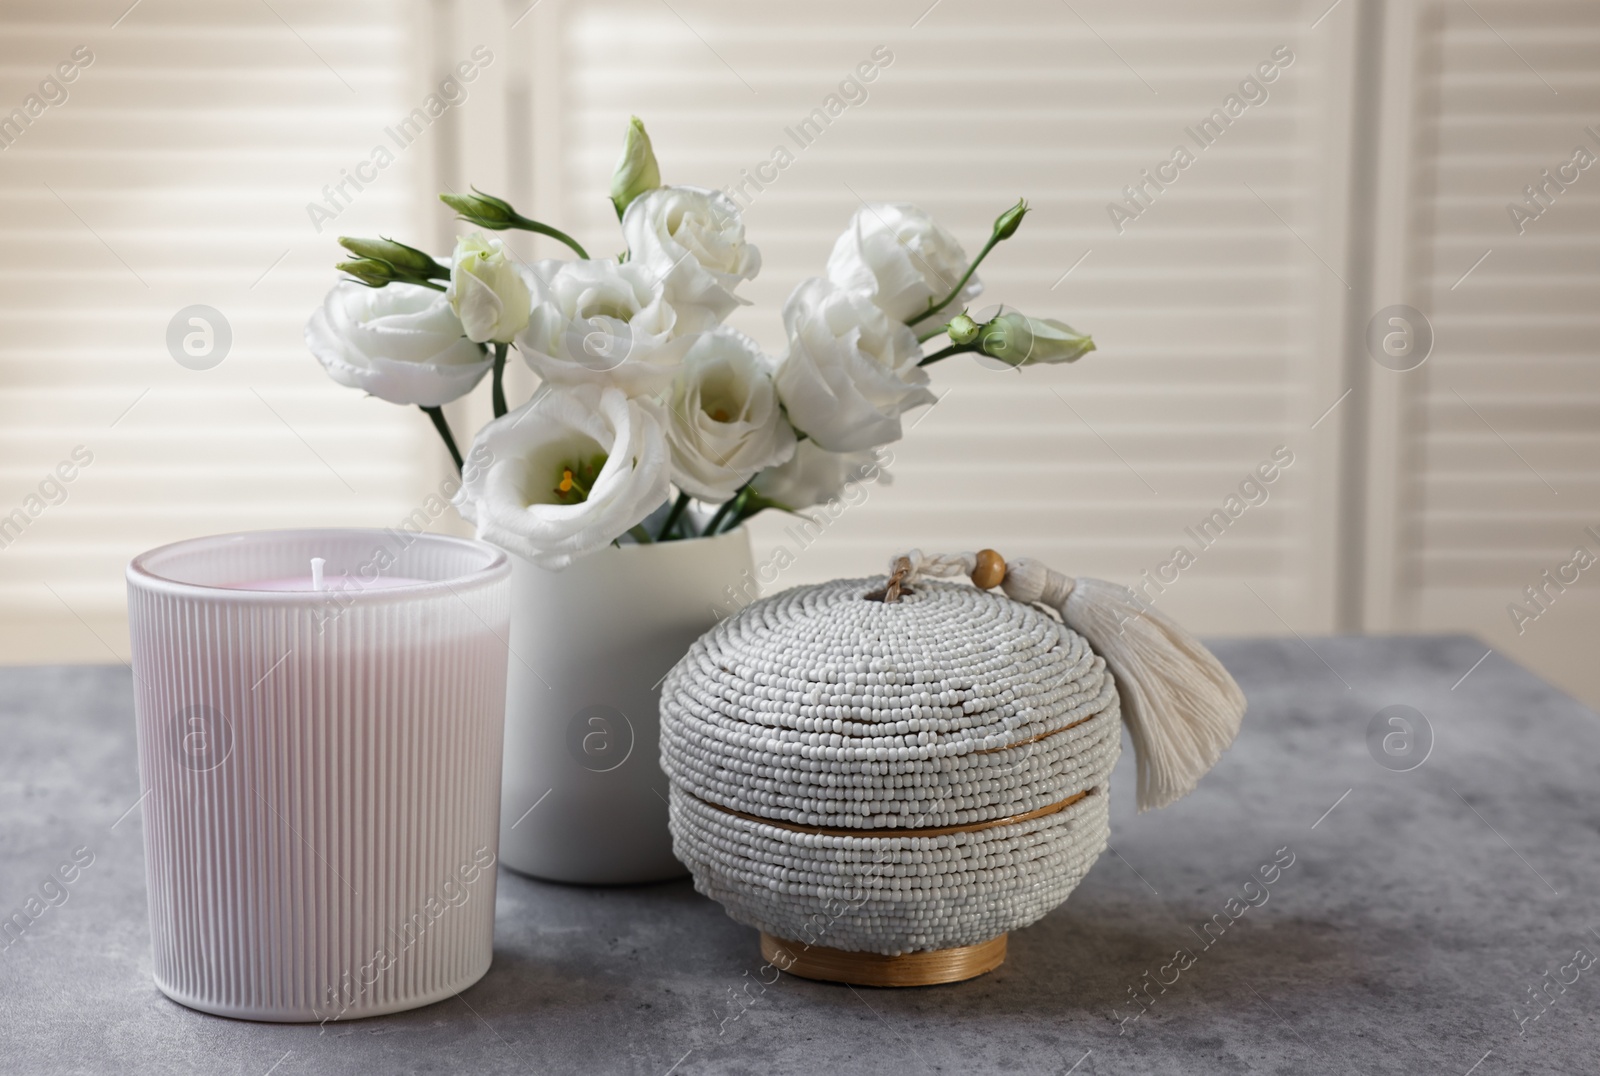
{"points": [[176, 172], [1229, 307]]}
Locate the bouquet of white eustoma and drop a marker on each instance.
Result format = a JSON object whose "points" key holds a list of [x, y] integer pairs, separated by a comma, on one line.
{"points": [[654, 421]]}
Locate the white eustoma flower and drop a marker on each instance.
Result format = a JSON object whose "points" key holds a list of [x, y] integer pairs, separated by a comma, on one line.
{"points": [[815, 476], [601, 323], [573, 469], [693, 241], [724, 422], [400, 343], [903, 258], [487, 290], [850, 372]]}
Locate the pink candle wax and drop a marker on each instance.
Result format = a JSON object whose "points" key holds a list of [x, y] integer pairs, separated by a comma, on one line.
{"points": [[318, 581], [333, 582]]}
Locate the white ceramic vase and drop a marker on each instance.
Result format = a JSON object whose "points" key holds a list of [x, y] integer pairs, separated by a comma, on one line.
{"points": [[583, 796]]}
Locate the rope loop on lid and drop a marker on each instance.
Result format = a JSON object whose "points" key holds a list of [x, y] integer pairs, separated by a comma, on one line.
{"points": [[934, 565], [1024, 579], [906, 568]]}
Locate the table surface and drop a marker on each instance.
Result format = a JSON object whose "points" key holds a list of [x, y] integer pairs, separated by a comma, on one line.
{"points": [[1421, 913]]}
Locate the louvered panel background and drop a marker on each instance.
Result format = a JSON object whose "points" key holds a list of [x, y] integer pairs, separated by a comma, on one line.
{"points": [[187, 152], [1502, 428], [181, 166], [1217, 326]]}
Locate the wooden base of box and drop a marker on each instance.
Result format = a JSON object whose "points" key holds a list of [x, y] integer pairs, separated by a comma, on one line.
{"points": [[873, 969]]}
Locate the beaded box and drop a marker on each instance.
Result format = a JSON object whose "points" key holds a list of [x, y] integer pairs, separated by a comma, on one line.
{"points": [[885, 789]]}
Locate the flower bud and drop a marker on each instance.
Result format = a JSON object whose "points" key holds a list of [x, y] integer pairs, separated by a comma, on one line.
{"points": [[484, 210], [487, 292], [1018, 340], [1007, 223], [962, 329], [637, 170], [411, 262], [371, 272]]}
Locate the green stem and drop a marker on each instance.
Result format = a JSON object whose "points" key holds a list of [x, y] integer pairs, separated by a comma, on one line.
{"points": [[430, 284], [499, 390], [953, 349], [437, 414], [923, 338], [753, 503], [745, 505], [554, 233], [641, 535], [722, 513], [948, 299], [672, 517]]}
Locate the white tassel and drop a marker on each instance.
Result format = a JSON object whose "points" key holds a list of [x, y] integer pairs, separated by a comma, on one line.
{"points": [[1182, 708]]}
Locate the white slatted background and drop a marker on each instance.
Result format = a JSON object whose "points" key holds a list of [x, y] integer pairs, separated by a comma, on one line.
{"points": [[189, 149], [1502, 428], [1217, 325], [177, 173]]}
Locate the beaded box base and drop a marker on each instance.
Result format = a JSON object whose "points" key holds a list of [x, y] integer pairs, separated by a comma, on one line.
{"points": [[927, 968]]}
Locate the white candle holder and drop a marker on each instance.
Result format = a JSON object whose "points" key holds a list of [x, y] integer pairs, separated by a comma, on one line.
{"points": [[321, 768]]}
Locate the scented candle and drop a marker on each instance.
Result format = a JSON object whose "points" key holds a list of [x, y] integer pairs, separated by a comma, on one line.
{"points": [[320, 716]]}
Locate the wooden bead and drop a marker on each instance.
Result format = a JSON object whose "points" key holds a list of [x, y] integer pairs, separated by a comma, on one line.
{"points": [[989, 571]]}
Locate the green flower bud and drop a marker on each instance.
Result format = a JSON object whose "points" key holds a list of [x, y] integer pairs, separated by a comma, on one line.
{"points": [[637, 170], [1007, 223], [410, 261], [1018, 340], [369, 271], [484, 210], [496, 214], [962, 329]]}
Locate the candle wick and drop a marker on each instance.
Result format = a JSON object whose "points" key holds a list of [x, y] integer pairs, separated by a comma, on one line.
{"points": [[316, 572]]}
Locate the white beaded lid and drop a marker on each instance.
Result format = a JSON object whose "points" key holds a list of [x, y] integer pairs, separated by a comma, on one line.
{"points": [[824, 707], [889, 777]]}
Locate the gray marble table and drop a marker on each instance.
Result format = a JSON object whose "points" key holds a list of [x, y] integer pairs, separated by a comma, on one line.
{"points": [[1420, 916]]}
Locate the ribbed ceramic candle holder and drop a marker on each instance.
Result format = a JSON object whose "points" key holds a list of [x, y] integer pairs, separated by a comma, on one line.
{"points": [[321, 767]]}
